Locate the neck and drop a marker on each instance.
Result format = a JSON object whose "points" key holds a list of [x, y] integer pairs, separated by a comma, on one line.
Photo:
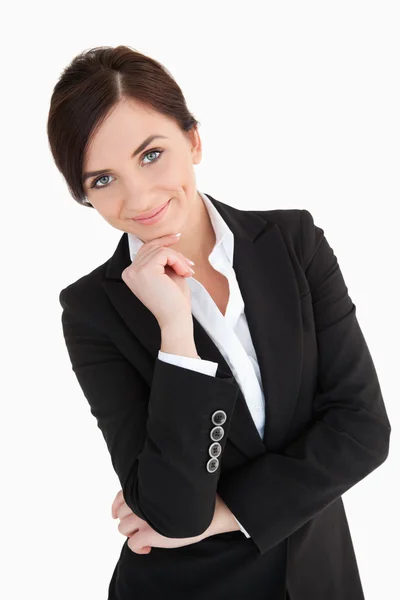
{"points": [[198, 236]]}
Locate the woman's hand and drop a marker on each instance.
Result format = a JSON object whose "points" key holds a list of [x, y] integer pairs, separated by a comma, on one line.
{"points": [[157, 277], [141, 536]]}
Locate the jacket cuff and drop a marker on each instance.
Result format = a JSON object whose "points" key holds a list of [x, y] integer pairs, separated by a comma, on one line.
{"points": [[208, 367]]}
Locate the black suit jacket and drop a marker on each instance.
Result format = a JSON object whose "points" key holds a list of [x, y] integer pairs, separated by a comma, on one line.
{"points": [[326, 425]]}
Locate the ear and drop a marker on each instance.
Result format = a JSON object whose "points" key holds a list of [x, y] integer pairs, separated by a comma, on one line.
{"points": [[196, 147]]}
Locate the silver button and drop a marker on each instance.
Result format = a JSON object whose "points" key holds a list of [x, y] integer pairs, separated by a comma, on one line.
{"points": [[212, 465], [219, 417], [217, 433], [215, 449]]}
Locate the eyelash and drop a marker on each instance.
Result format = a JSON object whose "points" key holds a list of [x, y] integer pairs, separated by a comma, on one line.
{"points": [[93, 184]]}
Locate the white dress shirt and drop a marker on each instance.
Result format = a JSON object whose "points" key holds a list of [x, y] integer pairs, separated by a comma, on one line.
{"points": [[230, 333]]}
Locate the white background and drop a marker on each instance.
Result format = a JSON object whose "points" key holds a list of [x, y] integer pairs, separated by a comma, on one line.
{"points": [[299, 108]]}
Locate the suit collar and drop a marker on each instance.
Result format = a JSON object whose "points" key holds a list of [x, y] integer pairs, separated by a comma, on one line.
{"points": [[272, 306]]}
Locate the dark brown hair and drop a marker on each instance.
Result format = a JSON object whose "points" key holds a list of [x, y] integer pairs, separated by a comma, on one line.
{"points": [[94, 82]]}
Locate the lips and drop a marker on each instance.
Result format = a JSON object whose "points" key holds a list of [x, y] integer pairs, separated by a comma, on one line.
{"points": [[151, 214]]}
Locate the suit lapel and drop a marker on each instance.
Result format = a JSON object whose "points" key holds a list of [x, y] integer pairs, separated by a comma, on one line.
{"points": [[272, 306]]}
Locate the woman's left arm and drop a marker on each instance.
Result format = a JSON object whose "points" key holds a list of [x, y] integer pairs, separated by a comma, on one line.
{"points": [[223, 520], [143, 537], [275, 494]]}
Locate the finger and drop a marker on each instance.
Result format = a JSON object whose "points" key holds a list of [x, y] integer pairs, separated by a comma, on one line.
{"points": [[190, 262], [178, 262], [154, 249], [163, 240], [124, 511], [185, 262], [118, 501], [133, 546], [175, 260], [185, 258], [129, 525]]}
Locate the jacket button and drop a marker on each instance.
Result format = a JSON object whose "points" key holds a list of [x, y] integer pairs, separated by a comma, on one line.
{"points": [[215, 449], [217, 433], [212, 465], [219, 417]]}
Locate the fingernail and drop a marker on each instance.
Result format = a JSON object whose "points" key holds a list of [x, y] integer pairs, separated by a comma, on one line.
{"points": [[176, 234], [190, 261]]}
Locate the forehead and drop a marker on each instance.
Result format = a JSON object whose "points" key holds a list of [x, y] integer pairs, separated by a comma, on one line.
{"points": [[124, 128]]}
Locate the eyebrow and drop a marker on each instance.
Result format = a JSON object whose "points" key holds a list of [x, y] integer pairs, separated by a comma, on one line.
{"points": [[142, 146]]}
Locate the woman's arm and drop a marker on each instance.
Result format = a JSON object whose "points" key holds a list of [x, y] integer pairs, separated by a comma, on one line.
{"points": [[157, 430], [277, 493], [143, 537], [223, 520]]}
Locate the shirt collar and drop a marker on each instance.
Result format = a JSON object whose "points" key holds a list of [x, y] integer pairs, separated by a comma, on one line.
{"points": [[223, 234]]}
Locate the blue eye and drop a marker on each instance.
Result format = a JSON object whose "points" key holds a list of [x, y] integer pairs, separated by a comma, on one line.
{"points": [[158, 151], [93, 185]]}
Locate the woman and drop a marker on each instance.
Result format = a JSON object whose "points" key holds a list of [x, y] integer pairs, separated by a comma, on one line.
{"points": [[238, 400]]}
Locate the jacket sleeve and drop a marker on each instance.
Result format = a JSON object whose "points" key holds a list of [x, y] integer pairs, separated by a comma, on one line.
{"points": [[277, 493], [158, 435], [198, 364]]}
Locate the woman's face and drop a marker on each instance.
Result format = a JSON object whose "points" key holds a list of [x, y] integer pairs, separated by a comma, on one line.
{"points": [[128, 185]]}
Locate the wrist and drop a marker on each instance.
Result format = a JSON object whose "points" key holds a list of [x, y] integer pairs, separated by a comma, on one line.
{"points": [[177, 338], [223, 520]]}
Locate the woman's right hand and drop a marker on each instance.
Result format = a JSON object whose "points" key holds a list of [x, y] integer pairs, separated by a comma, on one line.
{"points": [[157, 276]]}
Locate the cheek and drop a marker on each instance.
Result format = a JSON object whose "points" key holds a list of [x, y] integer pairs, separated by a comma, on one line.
{"points": [[173, 173], [111, 209]]}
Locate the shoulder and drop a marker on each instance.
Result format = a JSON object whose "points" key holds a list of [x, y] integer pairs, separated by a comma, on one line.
{"points": [[80, 291], [297, 226]]}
